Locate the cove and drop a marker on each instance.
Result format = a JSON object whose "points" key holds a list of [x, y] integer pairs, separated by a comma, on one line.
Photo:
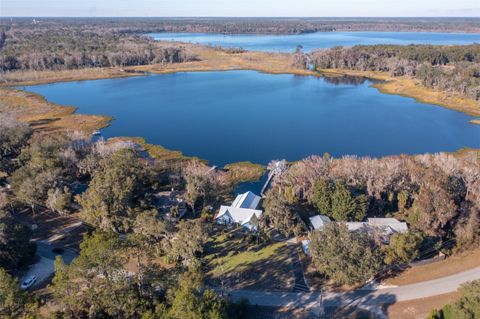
{"points": [[317, 40], [233, 116]]}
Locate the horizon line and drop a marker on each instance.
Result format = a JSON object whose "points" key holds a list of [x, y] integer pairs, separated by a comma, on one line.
{"points": [[254, 17]]}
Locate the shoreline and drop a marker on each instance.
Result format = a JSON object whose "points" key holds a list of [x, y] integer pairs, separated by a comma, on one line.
{"points": [[214, 60], [44, 115], [47, 116], [408, 87]]}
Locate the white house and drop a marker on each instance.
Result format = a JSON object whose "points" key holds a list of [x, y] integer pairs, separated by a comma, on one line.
{"points": [[319, 221], [242, 210]]}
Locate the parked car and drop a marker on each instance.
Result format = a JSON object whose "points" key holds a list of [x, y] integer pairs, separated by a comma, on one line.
{"points": [[28, 282]]}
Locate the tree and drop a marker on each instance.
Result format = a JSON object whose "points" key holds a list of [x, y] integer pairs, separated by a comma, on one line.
{"points": [[403, 199], [41, 169], [280, 215], [403, 248], [198, 184], [117, 187], [59, 200], [322, 192], [466, 307], [187, 241], [13, 136], [432, 209], [189, 302], [30, 183], [95, 283], [151, 229], [299, 58], [16, 249], [345, 207], [345, 257], [14, 302]]}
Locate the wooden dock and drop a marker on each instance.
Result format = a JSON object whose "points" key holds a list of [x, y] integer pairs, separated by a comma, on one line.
{"points": [[275, 168]]}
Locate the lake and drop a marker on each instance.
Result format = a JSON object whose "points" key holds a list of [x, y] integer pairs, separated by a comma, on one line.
{"points": [[233, 116], [310, 41]]}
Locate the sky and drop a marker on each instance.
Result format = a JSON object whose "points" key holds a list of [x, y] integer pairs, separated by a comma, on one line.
{"points": [[241, 8]]}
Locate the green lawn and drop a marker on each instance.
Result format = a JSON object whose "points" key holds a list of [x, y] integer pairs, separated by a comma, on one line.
{"points": [[231, 257]]}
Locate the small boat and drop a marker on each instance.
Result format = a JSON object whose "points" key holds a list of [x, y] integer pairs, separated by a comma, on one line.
{"points": [[96, 133]]}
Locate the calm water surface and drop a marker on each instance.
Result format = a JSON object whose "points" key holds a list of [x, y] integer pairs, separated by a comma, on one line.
{"points": [[310, 41], [235, 116]]}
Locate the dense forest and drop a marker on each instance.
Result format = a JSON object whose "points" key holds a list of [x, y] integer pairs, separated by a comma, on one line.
{"points": [[260, 25], [64, 47], [447, 68]]}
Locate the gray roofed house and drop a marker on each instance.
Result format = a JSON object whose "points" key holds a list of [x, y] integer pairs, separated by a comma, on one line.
{"points": [[388, 223], [386, 227]]}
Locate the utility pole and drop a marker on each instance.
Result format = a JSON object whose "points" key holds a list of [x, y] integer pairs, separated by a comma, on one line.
{"points": [[319, 311]]}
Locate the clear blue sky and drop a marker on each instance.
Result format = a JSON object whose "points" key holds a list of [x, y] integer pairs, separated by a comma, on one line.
{"points": [[241, 8]]}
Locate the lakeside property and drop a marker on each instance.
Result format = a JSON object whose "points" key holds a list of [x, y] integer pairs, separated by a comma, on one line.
{"points": [[156, 231]]}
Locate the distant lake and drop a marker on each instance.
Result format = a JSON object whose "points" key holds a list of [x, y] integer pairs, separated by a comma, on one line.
{"points": [[233, 116], [310, 41]]}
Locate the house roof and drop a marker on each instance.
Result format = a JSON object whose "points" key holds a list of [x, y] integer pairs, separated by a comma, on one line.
{"points": [[352, 226], [239, 215], [246, 200], [319, 221], [389, 223]]}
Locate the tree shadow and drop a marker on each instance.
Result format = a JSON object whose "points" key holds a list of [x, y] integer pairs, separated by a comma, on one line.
{"points": [[271, 273], [360, 304]]}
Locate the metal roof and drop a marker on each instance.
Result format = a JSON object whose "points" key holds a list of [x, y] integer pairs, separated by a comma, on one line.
{"points": [[239, 215], [319, 221], [246, 200]]}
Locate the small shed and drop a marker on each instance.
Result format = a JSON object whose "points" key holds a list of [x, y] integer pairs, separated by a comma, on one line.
{"points": [[319, 221]]}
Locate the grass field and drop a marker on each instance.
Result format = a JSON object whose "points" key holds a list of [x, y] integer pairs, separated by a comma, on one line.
{"points": [[419, 308], [242, 264], [46, 116], [447, 267], [244, 172]]}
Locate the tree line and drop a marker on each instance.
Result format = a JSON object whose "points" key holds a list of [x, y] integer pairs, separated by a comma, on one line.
{"points": [[260, 25], [448, 68], [67, 47]]}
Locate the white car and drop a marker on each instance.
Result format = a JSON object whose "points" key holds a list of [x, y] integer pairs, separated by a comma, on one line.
{"points": [[28, 282]]}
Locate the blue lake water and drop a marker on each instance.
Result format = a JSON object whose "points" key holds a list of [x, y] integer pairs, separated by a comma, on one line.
{"points": [[233, 116], [310, 41]]}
